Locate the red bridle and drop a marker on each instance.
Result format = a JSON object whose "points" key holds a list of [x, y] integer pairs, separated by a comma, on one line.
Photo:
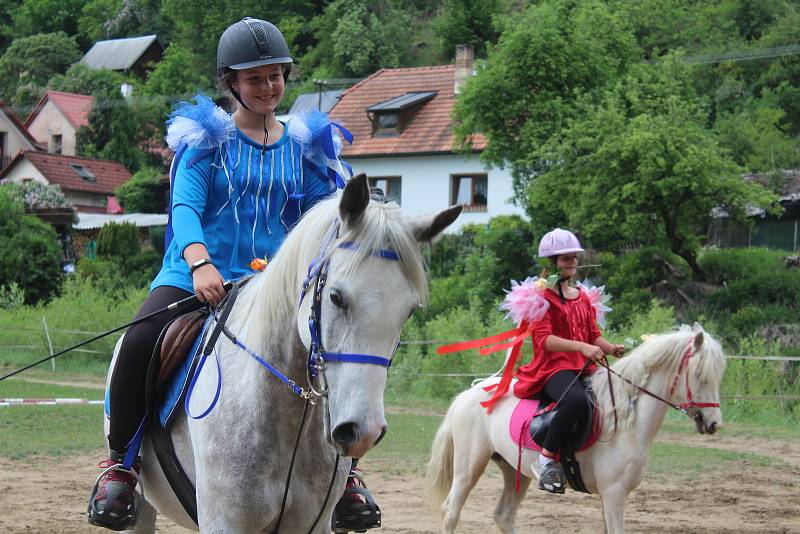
{"points": [[684, 366]]}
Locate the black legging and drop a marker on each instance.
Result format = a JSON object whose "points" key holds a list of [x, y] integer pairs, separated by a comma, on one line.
{"points": [[574, 407], [127, 394]]}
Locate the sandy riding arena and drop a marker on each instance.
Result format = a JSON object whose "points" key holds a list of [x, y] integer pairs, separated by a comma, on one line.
{"points": [[751, 495]]}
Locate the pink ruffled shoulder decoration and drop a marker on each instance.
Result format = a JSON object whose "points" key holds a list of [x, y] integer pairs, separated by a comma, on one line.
{"points": [[526, 301], [598, 298]]}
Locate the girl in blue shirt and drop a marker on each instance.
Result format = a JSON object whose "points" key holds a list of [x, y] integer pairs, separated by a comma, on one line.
{"points": [[239, 184]]}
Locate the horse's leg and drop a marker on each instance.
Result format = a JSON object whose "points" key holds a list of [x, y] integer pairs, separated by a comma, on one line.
{"points": [[613, 498], [470, 456], [506, 511]]}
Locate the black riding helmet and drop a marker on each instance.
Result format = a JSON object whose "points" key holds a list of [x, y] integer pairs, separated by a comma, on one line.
{"points": [[252, 43]]}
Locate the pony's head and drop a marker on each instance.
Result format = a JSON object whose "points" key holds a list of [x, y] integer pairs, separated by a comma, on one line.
{"points": [[375, 279], [702, 381], [684, 367]]}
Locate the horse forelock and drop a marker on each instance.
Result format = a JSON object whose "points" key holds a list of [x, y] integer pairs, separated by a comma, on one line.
{"points": [[662, 353], [273, 295]]}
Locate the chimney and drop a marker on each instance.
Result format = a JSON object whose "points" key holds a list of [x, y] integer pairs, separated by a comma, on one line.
{"points": [[465, 60]]}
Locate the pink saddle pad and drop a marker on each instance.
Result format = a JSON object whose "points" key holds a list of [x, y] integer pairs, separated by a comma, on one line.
{"points": [[520, 425]]}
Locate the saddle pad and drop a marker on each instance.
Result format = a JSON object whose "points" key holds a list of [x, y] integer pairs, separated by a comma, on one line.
{"points": [[175, 386], [520, 425], [174, 390]]}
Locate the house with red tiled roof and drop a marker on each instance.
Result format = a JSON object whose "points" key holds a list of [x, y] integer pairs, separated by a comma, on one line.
{"points": [[401, 121], [13, 135], [56, 118], [87, 183]]}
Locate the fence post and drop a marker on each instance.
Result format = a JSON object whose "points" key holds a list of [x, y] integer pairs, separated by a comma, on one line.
{"points": [[49, 343]]}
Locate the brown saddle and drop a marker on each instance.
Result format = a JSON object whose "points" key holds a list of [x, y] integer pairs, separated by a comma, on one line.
{"points": [[176, 341]]}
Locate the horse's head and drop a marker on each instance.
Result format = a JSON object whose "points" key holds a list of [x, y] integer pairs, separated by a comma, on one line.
{"points": [[699, 388], [374, 281]]}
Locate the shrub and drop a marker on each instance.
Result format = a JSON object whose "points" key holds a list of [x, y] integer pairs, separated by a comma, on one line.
{"points": [[11, 296], [118, 241], [33, 195], [636, 277], [143, 193], [142, 268], [156, 235], [30, 254], [725, 265]]}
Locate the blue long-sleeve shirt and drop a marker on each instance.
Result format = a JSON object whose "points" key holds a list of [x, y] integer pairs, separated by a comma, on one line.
{"points": [[240, 201]]}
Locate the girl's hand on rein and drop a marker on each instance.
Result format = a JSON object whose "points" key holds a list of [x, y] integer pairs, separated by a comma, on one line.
{"points": [[208, 284], [592, 351], [618, 350]]}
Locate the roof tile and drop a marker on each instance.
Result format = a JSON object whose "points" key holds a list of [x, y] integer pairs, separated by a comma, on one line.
{"points": [[56, 168], [75, 107], [429, 130]]}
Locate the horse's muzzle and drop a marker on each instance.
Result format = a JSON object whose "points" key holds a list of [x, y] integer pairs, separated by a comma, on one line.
{"points": [[350, 440]]}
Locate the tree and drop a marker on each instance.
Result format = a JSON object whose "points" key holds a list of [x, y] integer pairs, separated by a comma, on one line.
{"points": [[358, 37], [45, 16], [641, 167], [116, 131], [30, 255], [143, 193], [86, 81], [546, 58], [95, 16], [175, 75], [468, 22], [34, 59]]}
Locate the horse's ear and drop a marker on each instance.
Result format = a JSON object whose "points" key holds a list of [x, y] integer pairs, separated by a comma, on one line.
{"points": [[354, 200], [698, 340], [426, 227]]}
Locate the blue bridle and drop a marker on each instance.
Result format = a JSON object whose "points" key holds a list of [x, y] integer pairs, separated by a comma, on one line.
{"points": [[318, 271]]}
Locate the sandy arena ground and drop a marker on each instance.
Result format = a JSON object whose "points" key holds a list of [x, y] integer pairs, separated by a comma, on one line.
{"points": [[49, 496]]}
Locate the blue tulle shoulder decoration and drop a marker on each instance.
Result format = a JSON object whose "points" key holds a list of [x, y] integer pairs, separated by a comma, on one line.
{"points": [[321, 140], [199, 125]]}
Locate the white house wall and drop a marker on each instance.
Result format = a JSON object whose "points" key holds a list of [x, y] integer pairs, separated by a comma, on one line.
{"points": [[15, 141], [49, 122], [426, 183], [24, 170]]}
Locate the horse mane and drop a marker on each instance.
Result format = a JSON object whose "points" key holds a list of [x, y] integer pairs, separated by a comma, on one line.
{"points": [[663, 351], [273, 295]]}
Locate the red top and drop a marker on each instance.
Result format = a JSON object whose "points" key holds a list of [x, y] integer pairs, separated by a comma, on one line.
{"points": [[574, 320]]}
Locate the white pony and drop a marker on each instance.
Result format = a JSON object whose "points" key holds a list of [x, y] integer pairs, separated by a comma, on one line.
{"points": [[238, 456], [679, 367]]}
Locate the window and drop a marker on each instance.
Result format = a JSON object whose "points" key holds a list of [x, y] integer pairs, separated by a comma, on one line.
{"points": [[470, 190], [83, 172], [390, 185], [55, 144]]}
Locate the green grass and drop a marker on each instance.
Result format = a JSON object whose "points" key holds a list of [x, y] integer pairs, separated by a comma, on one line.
{"points": [[670, 460], [49, 430], [407, 444], [19, 389]]}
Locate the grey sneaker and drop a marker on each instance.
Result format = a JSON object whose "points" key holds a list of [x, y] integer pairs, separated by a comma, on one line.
{"points": [[552, 479]]}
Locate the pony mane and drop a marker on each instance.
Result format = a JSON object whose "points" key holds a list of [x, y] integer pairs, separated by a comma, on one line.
{"points": [[664, 351], [273, 295]]}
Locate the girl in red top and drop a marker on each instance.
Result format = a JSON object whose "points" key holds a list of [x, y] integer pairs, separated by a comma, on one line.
{"points": [[563, 339]]}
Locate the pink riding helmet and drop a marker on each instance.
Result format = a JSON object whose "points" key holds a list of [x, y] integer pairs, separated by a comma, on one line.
{"points": [[558, 242]]}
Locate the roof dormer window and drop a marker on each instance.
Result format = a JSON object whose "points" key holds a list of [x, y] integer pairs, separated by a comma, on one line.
{"points": [[83, 172], [390, 116]]}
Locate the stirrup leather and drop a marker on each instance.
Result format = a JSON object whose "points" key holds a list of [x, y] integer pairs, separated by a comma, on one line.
{"points": [[356, 510]]}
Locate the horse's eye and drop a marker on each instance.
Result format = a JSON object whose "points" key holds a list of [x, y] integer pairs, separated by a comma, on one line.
{"points": [[337, 299]]}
